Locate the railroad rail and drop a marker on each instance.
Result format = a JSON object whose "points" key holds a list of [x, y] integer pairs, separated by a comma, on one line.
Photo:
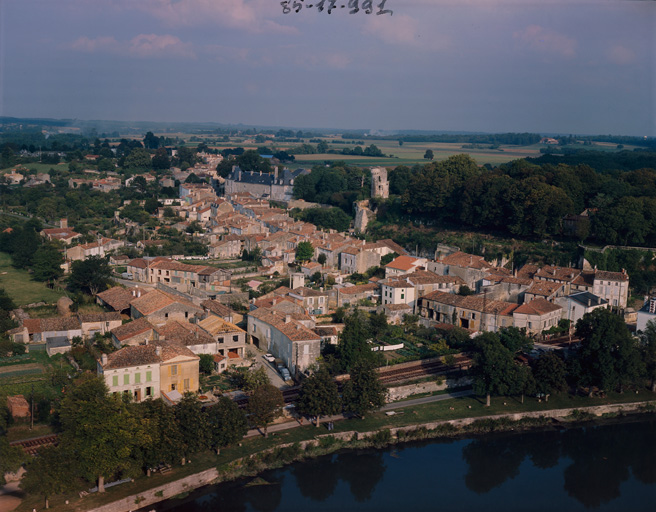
{"points": [[32, 446]]}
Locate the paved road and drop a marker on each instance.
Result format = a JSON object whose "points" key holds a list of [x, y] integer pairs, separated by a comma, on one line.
{"points": [[393, 406]]}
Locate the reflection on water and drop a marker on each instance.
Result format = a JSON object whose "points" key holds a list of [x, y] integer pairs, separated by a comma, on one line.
{"points": [[611, 467]]}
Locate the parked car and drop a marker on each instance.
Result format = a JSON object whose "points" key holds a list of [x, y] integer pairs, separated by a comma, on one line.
{"points": [[285, 374], [270, 358]]}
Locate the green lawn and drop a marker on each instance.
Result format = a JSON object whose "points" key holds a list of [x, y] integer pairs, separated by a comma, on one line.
{"points": [[19, 285]]}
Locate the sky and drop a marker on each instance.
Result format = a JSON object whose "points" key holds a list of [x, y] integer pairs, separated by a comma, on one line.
{"points": [[547, 66]]}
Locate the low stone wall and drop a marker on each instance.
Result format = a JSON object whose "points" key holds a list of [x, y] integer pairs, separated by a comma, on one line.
{"points": [[401, 392], [167, 491], [212, 475]]}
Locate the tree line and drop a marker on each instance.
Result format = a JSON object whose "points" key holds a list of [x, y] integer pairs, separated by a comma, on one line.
{"points": [[607, 358]]}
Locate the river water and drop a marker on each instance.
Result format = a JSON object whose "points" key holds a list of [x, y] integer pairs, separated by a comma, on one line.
{"points": [[600, 468]]}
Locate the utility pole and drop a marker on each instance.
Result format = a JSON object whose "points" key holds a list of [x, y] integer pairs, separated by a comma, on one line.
{"points": [[32, 408]]}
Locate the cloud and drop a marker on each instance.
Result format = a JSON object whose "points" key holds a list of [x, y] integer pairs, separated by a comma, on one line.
{"points": [[405, 30], [141, 46], [621, 55], [547, 41], [251, 15]]}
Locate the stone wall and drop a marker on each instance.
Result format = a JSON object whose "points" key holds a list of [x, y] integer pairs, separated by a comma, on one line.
{"points": [[167, 491], [401, 392]]}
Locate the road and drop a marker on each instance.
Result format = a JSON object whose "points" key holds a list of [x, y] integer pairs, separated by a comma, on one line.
{"points": [[393, 406]]}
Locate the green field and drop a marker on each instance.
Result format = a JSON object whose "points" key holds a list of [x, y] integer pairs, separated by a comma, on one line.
{"points": [[19, 285], [38, 166]]}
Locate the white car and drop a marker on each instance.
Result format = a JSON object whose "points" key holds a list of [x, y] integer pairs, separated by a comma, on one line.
{"points": [[270, 358]]}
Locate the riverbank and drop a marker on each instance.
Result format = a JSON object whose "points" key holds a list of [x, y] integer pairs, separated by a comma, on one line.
{"points": [[301, 443]]}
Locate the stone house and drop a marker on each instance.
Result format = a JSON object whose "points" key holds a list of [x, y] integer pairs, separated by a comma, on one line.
{"points": [[537, 315], [136, 332], [285, 338], [160, 307], [351, 295]]}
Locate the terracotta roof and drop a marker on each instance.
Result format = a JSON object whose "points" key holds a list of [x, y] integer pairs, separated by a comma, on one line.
{"points": [[147, 354], [126, 357], [545, 288], [427, 277], [557, 273], [184, 333], [585, 279], [99, 317], [497, 278], [604, 275], [303, 291], [537, 307], [396, 283], [462, 259], [127, 331], [293, 329], [358, 288], [217, 308], [528, 271], [472, 302], [117, 298], [57, 323], [156, 300], [402, 263], [215, 325]]}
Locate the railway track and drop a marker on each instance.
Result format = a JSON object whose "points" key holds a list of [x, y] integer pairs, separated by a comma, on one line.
{"points": [[423, 369], [32, 446]]}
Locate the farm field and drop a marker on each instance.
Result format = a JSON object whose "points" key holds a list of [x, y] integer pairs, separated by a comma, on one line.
{"points": [[19, 285], [38, 166]]}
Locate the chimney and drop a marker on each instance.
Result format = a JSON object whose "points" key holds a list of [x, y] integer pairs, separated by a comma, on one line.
{"points": [[288, 318], [158, 350], [103, 359], [63, 223]]}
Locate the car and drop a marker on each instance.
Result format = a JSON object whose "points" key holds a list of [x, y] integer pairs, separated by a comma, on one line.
{"points": [[269, 358], [285, 374]]}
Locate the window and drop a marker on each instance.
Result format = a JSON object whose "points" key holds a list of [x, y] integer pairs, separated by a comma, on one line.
{"points": [[149, 376], [149, 391], [115, 380], [174, 386], [235, 337], [137, 378], [126, 379], [174, 369], [186, 384], [186, 314], [403, 295], [166, 315]]}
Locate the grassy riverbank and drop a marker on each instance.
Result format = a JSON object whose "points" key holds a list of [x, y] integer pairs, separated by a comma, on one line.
{"points": [[256, 454]]}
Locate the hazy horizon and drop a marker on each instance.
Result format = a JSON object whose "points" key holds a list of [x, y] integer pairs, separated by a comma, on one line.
{"points": [[493, 66]]}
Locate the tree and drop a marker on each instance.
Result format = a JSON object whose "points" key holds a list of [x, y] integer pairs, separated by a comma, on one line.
{"points": [[151, 205], [304, 251], [515, 340], [549, 372], [353, 343], [11, 457], [48, 474], [493, 366], [206, 364], [151, 141], [91, 275], [227, 423], [140, 184], [165, 444], [648, 349], [321, 259], [319, 395], [47, 263], [138, 158], [161, 160], [363, 392], [607, 356], [264, 406], [101, 433], [193, 425], [428, 155]]}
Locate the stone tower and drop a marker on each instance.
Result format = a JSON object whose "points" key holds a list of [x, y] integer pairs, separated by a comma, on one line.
{"points": [[379, 183]]}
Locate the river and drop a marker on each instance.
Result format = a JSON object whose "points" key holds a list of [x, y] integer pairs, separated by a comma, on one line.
{"points": [[601, 468]]}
